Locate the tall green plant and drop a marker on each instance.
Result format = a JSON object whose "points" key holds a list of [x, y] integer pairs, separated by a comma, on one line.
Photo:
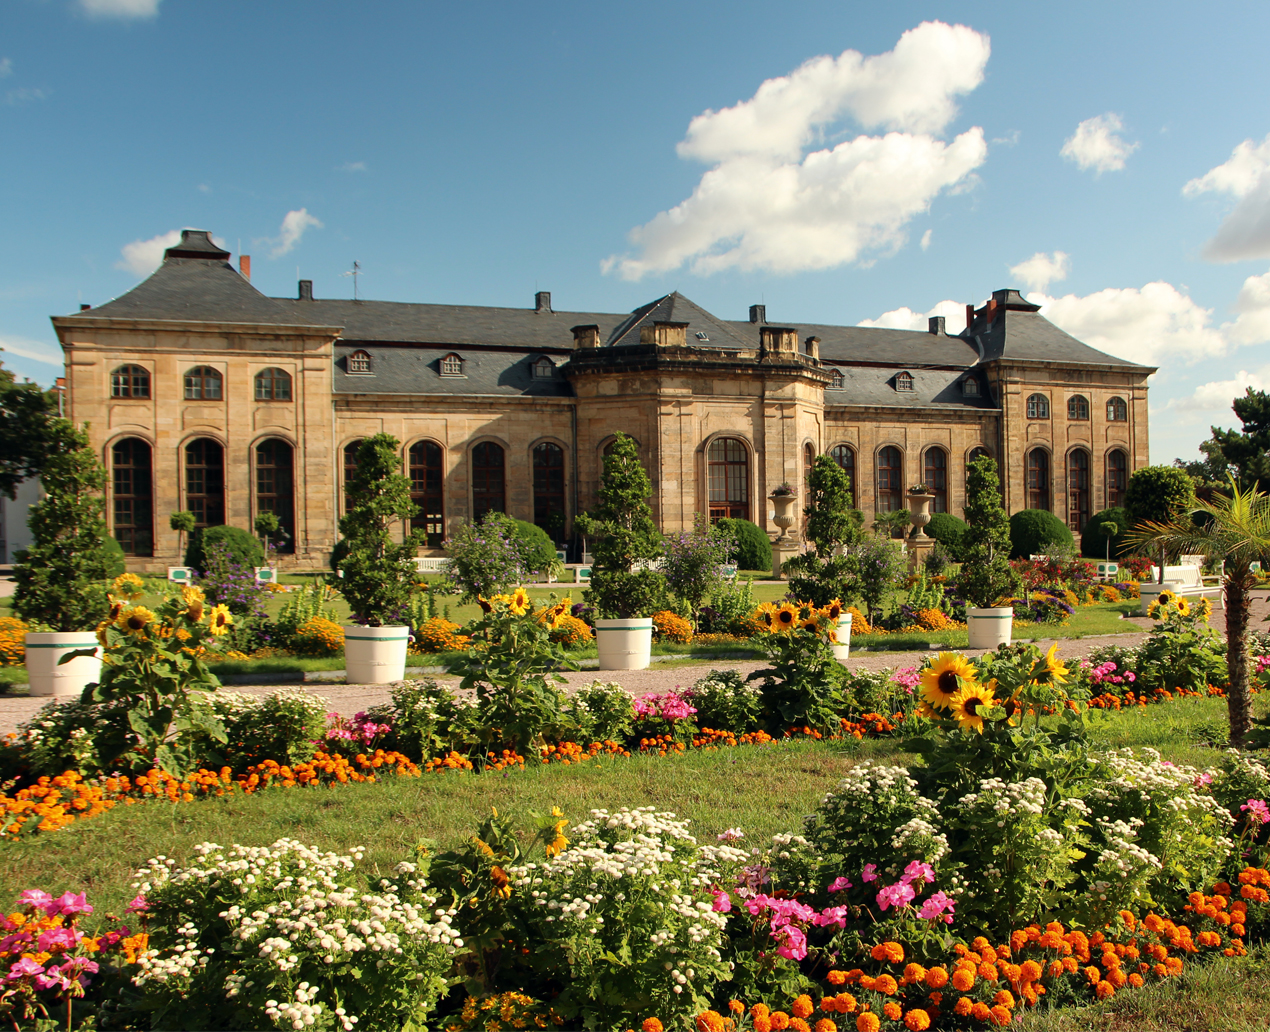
{"points": [[378, 573], [985, 549], [820, 574], [61, 578], [1156, 495], [625, 535]]}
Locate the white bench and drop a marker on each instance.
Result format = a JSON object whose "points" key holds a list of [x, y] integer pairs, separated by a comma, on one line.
{"points": [[1181, 580], [431, 564]]}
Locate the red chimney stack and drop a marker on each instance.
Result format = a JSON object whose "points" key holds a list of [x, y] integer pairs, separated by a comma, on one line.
{"points": [[244, 266]]}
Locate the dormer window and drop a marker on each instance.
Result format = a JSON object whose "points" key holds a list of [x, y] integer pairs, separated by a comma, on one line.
{"points": [[703, 336], [903, 381], [359, 362], [837, 381], [544, 369], [451, 365], [970, 387]]}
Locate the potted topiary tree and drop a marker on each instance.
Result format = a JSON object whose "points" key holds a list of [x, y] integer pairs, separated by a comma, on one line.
{"points": [[625, 537], [61, 578], [986, 577], [183, 523], [377, 573]]}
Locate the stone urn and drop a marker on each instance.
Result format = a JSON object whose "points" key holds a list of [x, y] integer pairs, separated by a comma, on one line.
{"points": [[784, 517], [919, 507]]}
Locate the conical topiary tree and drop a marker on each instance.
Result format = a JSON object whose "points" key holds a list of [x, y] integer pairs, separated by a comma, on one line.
{"points": [[986, 576], [820, 575]]}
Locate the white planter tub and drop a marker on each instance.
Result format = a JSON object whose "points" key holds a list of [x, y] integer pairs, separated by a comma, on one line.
{"points": [[842, 651], [990, 627], [624, 644], [375, 655], [51, 678], [1149, 593]]}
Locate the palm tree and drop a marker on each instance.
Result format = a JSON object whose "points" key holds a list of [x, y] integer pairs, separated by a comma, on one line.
{"points": [[1236, 529]]}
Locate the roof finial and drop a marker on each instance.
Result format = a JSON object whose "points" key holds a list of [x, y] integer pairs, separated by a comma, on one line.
{"points": [[355, 271]]}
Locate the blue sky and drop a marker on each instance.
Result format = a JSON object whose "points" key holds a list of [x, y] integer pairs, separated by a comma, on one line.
{"points": [[1111, 160]]}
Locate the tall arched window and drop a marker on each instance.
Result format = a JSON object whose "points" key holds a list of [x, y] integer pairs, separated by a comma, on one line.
{"points": [[809, 460], [1117, 477], [844, 456], [205, 482], [1038, 407], [728, 476], [1117, 410], [1077, 407], [489, 486], [275, 488], [130, 381], [273, 385], [132, 497], [935, 477], [549, 507], [1078, 490], [350, 469], [1038, 479], [890, 480], [203, 383], [427, 490]]}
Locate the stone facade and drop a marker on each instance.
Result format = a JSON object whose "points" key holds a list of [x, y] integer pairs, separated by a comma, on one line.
{"points": [[204, 394]]}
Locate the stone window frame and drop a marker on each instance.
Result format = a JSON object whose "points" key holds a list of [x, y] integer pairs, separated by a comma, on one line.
{"points": [[752, 503], [451, 365], [904, 382], [359, 363], [970, 387], [273, 376], [1117, 410], [207, 383], [543, 368], [837, 381], [112, 483], [1087, 491], [421, 519], [1078, 408], [1115, 449], [130, 381], [897, 494], [1038, 406], [853, 473], [288, 520]]}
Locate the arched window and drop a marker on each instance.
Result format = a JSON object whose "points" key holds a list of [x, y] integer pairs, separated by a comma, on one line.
{"points": [[1117, 477], [1077, 407], [427, 490], [205, 482], [728, 476], [903, 381], [1038, 407], [350, 468], [1038, 479], [544, 368], [836, 380], [935, 477], [202, 383], [970, 387], [451, 365], [844, 456], [132, 497], [130, 381], [489, 490], [1117, 410], [890, 480], [359, 362], [549, 507], [1078, 490], [273, 385], [275, 488]]}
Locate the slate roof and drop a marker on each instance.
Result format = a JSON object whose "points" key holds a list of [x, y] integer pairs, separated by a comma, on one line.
{"points": [[417, 370], [675, 308], [932, 388], [1030, 336]]}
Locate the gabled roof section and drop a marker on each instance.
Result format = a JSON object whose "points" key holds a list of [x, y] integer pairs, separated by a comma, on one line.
{"points": [[417, 370], [675, 308]]}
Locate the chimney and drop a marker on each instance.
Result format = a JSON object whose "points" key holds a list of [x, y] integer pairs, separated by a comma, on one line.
{"points": [[758, 314], [542, 301], [813, 347], [664, 334], [244, 266], [970, 315], [935, 325], [779, 338], [85, 308], [586, 336], [306, 290]]}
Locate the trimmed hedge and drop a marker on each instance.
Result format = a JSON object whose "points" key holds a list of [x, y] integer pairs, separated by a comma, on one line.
{"points": [[947, 529], [1093, 544], [753, 546], [243, 546], [1035, 531], [535, 546]]}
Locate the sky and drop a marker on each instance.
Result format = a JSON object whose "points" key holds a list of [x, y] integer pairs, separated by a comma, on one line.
{"points": [[850, 163]]}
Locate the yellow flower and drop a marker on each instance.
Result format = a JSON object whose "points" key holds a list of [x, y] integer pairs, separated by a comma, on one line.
{"points": [[1183, 607], [518, 603], [191, 594], [944, 678], [1056, 671], [486, 605], [833, 610], [785, 618], [134, 620], [558, 844], [219, 620], [128, 586], [967, 705]]}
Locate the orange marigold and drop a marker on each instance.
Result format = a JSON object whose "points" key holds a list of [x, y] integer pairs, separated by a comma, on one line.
{"points": [[1104, 989], [1029, 971], [709, 1021], [802, 1007], [892, 1010], [780, 1020], [963, 981], [999, 1015], [917, 1020], [936, 977], [914, 973], [980, 1012], [867, 1022], [825, 1025], [836, 977], [763, 1023], [846, 1003], [963, 1006], [1004, 997], [886, 985], [652, 1025], [798, 1025]]}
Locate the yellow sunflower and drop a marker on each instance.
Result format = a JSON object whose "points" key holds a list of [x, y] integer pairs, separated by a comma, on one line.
{"points": [[134, 620], [1183, 607], [219, 620], [943, 679], [486, 605], [128, 586], [116, 607], [1057, 671], [968, 704], [190, 594], [1165, 597], [785, 618], [518, 603], [833, 610], [1013, 706]]}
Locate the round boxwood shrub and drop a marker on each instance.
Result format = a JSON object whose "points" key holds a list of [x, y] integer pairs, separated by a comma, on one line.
{"points": [[337, 554], [243, 547], [947, 529], [1034, 531], [535, 546], [1093, 543], [753, 546]]}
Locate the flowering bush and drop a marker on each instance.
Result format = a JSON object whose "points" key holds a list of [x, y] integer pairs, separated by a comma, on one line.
{"points": [[284, 935], [603, 711], [1183, 650], [692, 563], [668, 714], [671, 626], [485, 558], [12, 641], [725, 701], [318, 636], [572, 633], [353, 736], [802, 686], [440, 635], [232, 584]]}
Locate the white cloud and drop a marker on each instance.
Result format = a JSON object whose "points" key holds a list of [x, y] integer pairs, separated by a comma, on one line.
{"points": [[36, 350], [1216, 396], [142, 257], [294, 223], [120, 8], [352, 166], [1041, 269], [1097, 145], [770, 202], [1252, 323], [954, 314], [6, 66], [925, 244], [1245, 233], [23, 95]]}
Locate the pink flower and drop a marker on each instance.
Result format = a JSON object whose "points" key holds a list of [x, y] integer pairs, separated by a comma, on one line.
{"points": [[138, 905], [831, 916], [24, 968], [917, 872], [897, 895], [1258, 809], [1203, 778], [839, 885], [730, 835], [793, 943], [72, 903], [870, 873], [935, 905], [722, 902], [58, 939], [36, 898]]}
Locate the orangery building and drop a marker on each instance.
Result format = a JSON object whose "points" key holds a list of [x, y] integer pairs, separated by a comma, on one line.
{"points": [[203, 394]]}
